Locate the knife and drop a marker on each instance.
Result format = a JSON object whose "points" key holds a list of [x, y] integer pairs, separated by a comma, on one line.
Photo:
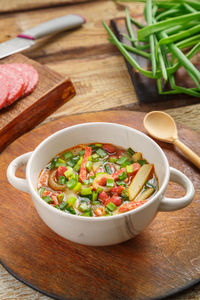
{"points": [[27, 38]]}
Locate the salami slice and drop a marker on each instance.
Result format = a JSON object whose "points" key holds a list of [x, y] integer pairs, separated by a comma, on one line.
{"points": [[16, 83], [30, 76], [4, 90]]}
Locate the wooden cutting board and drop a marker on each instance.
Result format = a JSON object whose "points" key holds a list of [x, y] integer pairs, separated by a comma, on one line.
{"points": [[146, 88], [161, 261], [51, 92]]}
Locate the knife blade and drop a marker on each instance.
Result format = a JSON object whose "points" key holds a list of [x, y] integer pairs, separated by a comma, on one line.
{"points": [[27, 39]]}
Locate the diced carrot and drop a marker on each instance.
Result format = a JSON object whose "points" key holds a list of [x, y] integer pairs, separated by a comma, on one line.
{"points": [[131, 205]]}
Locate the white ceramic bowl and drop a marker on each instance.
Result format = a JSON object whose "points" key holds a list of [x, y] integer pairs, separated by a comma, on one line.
{"points": [[103, 230]]}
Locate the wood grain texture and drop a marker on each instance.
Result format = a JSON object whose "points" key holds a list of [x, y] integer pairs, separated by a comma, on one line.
{"points": [[23, 5], [136, 269], [52, 91]]}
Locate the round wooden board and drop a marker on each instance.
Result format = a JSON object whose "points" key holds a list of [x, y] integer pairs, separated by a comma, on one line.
{"points": [[162, 260]]}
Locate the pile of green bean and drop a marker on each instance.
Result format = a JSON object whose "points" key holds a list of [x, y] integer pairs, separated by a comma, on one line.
{"points": [[170, 38]]}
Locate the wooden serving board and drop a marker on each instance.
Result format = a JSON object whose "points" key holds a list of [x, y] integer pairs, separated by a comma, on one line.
{"points": [[51, 92], [162, 260], [146, 88]]}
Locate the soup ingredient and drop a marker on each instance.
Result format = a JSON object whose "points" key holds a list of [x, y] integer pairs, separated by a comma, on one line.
{"points": [[97, 180], [171, 29], [139, 180]]}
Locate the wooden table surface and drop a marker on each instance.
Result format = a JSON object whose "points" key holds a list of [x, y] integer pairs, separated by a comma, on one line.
{"points": [[97, 70]]}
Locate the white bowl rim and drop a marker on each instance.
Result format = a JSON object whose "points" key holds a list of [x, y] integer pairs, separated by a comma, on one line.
{"points": [[103, 218]]}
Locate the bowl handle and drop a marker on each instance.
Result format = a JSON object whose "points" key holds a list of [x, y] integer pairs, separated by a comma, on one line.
{"points": [[170, 204], [18, 183]]}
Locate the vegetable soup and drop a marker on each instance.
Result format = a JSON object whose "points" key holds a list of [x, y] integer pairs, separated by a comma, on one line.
{"points": [[96, 180]]}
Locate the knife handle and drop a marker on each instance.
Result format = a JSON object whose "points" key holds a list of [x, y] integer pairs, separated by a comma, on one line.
{"points": [[52, 26]]}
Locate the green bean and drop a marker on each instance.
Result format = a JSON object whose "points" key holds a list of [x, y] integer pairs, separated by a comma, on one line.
{"points": [[151, 37], [130, 29], [188, 42], [127, 55], [136, 50], [138, 24], [160, 26], [179, 36]]}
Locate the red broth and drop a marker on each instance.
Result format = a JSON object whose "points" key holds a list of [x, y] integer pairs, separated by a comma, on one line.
{"points": [[96, 180]]}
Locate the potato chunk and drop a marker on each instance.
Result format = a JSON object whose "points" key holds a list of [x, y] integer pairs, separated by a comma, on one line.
{"points": [[139, 180]]}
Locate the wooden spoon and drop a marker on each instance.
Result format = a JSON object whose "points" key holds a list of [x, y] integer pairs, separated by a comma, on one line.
{"points": [[163, 127]]}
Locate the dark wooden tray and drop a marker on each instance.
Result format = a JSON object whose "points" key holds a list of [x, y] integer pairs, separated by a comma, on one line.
{"points": [[161, 261], [52, 91], [146, 88]]}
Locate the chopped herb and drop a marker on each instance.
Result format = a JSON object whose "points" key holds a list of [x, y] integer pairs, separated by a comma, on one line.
{"points": [[72, 162], [53, 162], [101, 153], [141, 162], [88, 166], [47, 199], [111, 206], [130, 152], [95, 157], [71, 183], [86, 191], [41, 191], [122, 176], [84, 206], [108, 168], [120, 183], [77, 187], [112, 159], [63, 205], [71, 201], [94, 197], [69, 172], [122, 160], [129, 169], [61, 179], [78, 164], [67, 155], [81, 153], [71, 210], [110, 182]]}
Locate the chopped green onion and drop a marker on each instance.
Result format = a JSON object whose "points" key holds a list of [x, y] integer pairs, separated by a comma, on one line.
{"points": [[71, 184], [94, 197], [107, 169], [112, 159], [72, 162], [63, 205], [71, 201], [95, 157], [88, 166], [110, 182], [99, 190], [119, 182], [78, 164], [101, 152], [69, 172], [61, 179], [98, 145], [68, 155], [86, 191], [111, 206], [130, 152], [41, 191], [122, 160], [141, 162], [77, 187], [53, 162], [122, 176], [47, 199], [129, 169], [81, 153], [71, 210], [84, 206]]}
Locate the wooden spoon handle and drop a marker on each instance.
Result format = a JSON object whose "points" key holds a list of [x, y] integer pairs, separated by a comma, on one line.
{"points": [[193, 157]]}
